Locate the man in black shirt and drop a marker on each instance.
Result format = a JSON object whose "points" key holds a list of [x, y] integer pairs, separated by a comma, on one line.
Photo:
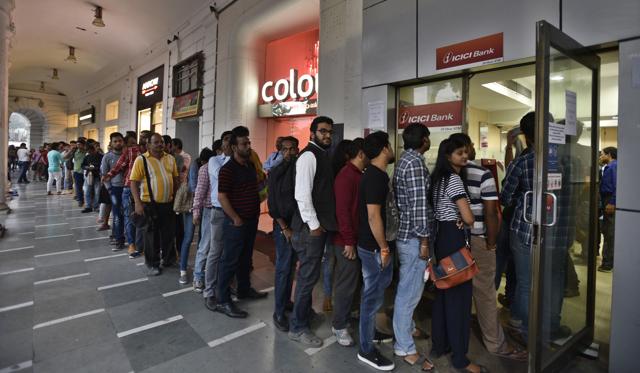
{"points": [[373, 249]]}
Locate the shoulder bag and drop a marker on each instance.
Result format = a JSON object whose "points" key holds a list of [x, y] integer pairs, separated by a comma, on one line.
{"points": [[454, 269], [150, 216]]}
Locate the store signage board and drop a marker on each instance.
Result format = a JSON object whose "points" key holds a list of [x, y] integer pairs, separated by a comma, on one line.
{"points": [[477, 52], [288, 108], [187, 105], [440, 117], [294, 87], [150, 87], [87, 116]]}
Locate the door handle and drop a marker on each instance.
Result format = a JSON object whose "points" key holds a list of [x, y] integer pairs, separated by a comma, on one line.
{"points": [[524, 209], [554, 208]]}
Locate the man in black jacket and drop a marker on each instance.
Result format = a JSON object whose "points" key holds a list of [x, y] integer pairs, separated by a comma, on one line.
{"points": [[282, 205], [314, 217]]}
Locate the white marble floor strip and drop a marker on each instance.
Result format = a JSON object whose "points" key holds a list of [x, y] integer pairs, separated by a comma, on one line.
{"points": [[238, 334], [68, 318], [149, 326]]}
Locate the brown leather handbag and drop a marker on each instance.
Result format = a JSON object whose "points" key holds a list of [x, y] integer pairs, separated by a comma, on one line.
{"points": [[454, 269]]}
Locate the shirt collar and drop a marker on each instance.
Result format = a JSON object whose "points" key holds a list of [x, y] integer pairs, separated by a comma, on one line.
{"points": [[318, 146]]}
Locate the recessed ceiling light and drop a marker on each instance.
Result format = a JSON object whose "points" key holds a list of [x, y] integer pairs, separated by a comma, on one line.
{"points": [[557, 78]]}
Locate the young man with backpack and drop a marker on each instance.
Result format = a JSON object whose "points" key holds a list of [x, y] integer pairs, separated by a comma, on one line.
{"points": [[282, 206]]}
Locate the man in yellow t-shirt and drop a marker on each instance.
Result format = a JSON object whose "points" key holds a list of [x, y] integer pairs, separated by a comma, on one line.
{"points": [[159, 224]]}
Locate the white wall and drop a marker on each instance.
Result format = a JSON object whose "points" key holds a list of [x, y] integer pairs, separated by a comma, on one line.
{"points": [[49, 122]]}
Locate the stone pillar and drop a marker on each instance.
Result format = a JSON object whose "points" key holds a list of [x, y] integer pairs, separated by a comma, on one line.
{"points": [[6, 32]]}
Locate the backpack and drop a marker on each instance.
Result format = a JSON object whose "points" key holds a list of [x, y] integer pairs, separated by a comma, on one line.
{"points": [[281, 183]]}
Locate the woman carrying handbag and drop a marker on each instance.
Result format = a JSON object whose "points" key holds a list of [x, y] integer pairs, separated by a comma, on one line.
{"points": [[451, 320]]}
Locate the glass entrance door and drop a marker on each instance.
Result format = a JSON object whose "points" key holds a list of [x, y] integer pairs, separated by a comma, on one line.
{"points": [[564, 205]]}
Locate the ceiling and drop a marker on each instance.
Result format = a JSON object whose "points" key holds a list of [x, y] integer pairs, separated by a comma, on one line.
{"points": [[45, 30]]}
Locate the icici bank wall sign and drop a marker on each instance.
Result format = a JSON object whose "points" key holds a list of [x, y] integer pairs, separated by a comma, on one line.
{"points": [[476, 52], [435, 116], [295, 87]]}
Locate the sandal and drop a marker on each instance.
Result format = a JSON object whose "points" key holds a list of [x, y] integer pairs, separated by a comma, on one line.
{"points": [[513, 353], [426, 361], [466, 370]]}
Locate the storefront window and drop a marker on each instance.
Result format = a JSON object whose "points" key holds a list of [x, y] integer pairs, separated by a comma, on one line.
{"points": [[187, 75], [111, 111], [437, 105]]}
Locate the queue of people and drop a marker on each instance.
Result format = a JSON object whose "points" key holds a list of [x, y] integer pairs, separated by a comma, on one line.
{"points": [[345, 205]]}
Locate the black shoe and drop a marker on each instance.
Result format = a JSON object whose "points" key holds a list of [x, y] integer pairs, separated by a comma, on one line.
{"points": [[231, 310], [376, 360], [504, 301], [561, 333], [282, 323], [210, 303], [381, 337], [86, 210], [153, 271], [605, 268], [252, 294], [288, 307], [119, 246]]}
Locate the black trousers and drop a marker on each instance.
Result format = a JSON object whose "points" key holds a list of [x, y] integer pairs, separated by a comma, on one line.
{"points": [[346, 278], [608, 233], [158, 235], [451, 322]]}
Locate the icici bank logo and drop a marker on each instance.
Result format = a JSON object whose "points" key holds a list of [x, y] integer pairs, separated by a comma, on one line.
{"points": [[447, 57], [404, 117]]}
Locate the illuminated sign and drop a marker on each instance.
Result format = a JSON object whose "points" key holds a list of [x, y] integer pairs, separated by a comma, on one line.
{"points": [[476, 52], [150, 87], [87, 116], [295, 87]]}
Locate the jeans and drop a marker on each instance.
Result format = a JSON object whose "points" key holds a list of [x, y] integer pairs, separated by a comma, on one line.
{"points": [[203, 246], [347, 274], [187, 238], [328, 263], [68, 179], [116, 211], [158, 235], [522, 259], [24, 167], [237, 250], [92, 194], [410, 288], [57, 176], [78, 178], [285, 267], [129, 227], [375, 282], [215, 252], [504, 263], [309, 250], [608, 232]]}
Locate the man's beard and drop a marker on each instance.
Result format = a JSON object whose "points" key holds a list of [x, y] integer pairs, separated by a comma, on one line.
{"points": [[392, 160], [318, 142]]}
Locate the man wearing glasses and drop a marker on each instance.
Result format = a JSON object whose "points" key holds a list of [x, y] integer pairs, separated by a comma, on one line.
{"points": [[315, 217]]}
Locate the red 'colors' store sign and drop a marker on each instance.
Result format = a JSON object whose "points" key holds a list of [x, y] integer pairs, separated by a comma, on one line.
{"points": [[444, 114], [476, 52]]}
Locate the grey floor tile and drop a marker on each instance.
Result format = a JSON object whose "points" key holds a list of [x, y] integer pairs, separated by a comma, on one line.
{"points": [[128, 293], [15, 264], [16, 320], [58, 303], [103, 357], [57, 339], [16, 347], [141, 312], [71, 259], [60, 270], [160, 344]]}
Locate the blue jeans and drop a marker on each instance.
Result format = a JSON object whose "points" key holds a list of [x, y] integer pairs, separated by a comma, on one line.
{"points": [[504, 262], [187, 238], [328, 263], [216, 225], [237, 250], [131, 234], [78, 178], [116, 212], [375, 282], [408, 295], [92, 194], [522, 259], [204, 245], [285, 266], [24, 167]]}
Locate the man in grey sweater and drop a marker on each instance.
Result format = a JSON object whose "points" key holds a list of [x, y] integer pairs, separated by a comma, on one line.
{"points": [[115, 187]]}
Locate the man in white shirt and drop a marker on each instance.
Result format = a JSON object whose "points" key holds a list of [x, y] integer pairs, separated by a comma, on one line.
{"points": [[315, 217], [274, 158], [23, 161], [217, 220]]}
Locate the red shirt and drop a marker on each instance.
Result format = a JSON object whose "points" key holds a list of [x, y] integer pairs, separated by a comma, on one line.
{"points": [[127, 159], [347, 190]]}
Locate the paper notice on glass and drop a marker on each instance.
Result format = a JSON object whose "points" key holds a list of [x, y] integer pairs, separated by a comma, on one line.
{"points": [[556, 133], [376, 115], [554, 181], [570, 117]]}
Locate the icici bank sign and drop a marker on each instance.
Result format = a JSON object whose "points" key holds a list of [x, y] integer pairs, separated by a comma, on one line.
{"points": [[442, 114], [294, 87], [481, 51]]}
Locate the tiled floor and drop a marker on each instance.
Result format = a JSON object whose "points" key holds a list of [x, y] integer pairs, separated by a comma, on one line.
{"points": [[69, 304]]}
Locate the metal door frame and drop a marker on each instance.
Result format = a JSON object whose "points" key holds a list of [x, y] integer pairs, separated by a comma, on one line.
{"points": [[547, 37]]}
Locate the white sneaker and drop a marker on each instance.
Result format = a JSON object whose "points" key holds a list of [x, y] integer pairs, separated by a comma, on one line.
{"points": [[343, 337]]}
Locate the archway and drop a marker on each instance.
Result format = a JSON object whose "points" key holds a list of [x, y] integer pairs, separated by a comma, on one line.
{"points": [[19, 130], [35, 114]]}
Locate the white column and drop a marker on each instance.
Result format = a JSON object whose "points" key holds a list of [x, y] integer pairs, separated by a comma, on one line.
{"points": [[6, 32]]}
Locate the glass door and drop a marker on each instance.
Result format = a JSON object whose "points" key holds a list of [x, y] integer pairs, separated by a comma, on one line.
{"points": [[564, 199]]}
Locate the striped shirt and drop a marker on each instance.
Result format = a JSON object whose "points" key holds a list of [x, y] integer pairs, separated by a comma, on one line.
{"points": [[240, 184], [203, 191], [447, 192], [162, 171], [481, 187]]}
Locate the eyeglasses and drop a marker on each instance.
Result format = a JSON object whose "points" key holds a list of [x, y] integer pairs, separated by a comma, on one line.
{"points": [[325, 132]]}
